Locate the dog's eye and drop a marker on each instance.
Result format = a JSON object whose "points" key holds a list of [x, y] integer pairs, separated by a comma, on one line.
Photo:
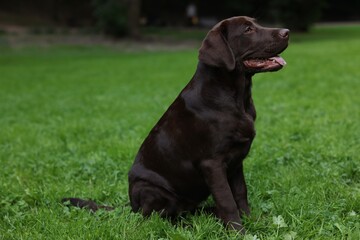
{"points": [[248, 29]]}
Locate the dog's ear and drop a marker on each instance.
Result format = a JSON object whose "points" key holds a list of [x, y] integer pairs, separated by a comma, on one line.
{"points": [[215, 50]]}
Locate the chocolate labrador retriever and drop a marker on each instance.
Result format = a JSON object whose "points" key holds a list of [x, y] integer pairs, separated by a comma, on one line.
{"points": [[198, 146]]}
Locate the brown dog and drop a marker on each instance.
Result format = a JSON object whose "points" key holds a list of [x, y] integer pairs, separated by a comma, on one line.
{"points": [[197, 147]]}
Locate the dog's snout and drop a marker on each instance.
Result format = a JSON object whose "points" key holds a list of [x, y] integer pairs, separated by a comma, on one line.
{"points": [[284, 33]]}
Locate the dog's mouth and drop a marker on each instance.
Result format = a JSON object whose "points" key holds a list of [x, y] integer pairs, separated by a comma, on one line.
{"points": [[264, 64]]}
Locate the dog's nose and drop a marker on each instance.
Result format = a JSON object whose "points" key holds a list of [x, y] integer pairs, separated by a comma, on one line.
{"points": [[284, 33]]}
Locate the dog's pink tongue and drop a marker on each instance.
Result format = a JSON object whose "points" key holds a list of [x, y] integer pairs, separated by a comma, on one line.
{"points": [[265, 65], [279, 60]]}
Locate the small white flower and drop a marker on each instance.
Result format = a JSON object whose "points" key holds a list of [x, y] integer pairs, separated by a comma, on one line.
{"points": [[290, 235], [279, 221], [352, 213], [250, 237]]}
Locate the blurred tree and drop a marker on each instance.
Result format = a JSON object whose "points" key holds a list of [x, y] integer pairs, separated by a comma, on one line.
{"points": [[298, 15], [121, 17], [111, 17], [336, 10], [118, 17], [67, 12], [254, 8], [164, 12], [134, 7]]}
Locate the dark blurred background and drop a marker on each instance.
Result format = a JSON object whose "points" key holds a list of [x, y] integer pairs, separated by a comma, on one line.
{"points": [[119, 18]]}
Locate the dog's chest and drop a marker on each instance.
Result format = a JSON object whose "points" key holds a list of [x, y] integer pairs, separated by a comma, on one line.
{"points": [[237, 138], [239, 126]]}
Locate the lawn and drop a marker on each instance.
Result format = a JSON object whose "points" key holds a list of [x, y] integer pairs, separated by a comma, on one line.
{"points": [[72, 119]]}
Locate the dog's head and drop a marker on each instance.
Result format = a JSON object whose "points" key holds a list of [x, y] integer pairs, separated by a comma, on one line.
{"points": [[240, 41]]}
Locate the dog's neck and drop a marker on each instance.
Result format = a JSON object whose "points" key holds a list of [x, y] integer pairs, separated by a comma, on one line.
{"points": [[243, 83], [226, 87]]}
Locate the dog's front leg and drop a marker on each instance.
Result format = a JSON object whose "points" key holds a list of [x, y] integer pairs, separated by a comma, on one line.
{"points": [[215, 176], [238, 188]]}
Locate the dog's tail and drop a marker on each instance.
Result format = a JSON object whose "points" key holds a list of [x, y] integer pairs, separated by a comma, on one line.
{"points": [[87, 204]]}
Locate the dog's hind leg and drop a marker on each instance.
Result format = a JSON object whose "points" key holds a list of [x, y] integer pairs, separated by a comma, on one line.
{"points": [[147, 198]]}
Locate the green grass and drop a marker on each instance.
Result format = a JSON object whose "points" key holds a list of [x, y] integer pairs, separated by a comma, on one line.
{"points": [[72, 119]]}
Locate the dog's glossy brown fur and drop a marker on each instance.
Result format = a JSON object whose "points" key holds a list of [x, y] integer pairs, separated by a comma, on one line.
{"points": [[198, 146]]}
